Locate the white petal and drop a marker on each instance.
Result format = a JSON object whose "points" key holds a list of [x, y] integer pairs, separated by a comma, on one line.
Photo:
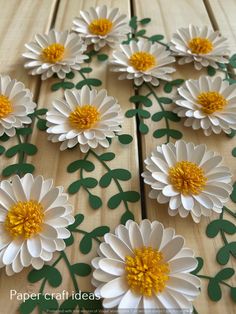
{"points": [[114, 288], [172, 248], [111, 266], [130, 300]]}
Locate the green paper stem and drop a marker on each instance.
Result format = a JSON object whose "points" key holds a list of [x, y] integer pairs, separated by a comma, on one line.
{"points": [[72, 275], [209, 278], [162, 109], [86, 233], [115, 180]]}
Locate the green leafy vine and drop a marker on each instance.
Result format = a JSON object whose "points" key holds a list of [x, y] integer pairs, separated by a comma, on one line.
{"points": [[115, 175]]}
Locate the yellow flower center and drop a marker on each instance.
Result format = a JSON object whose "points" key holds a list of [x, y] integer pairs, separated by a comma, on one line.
{"points": [[200, 45], [5, 106], [211, 102], [187, 178], [142, 60], [84, 117], [146, 272], [53, 53], [100, 27], [24, 219]]}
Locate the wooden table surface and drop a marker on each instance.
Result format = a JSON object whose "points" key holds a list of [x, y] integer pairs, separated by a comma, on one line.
{"points": [[20, 21]]}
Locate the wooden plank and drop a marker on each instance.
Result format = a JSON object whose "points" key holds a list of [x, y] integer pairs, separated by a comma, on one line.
{"points": [[50, 162], [167, 16], [223, 15], [20, 20]]}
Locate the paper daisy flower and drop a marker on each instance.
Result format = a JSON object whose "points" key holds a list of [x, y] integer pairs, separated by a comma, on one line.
{"points": [[202, 46], [145, 267], [33, 220], [143, 61], [101, 26], [208, 104], [57, 52], [15, 105], [189, 178], [86, 117]]}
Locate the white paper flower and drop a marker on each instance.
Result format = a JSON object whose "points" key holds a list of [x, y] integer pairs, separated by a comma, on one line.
{"points": [[208, 104], [33, 220], [57, 52], [143, 61], [189, 178], [202, 46], [15, 104], [101, 26], [86, 117], [145, 267]]}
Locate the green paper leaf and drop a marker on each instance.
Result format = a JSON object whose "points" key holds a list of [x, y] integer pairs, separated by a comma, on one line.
{"points": [[233, 194], [56, 86], [126, 216], [81, 269], [68, 306], [24, 131], [232, 61], [68, 85], [119, 174], [102, 57], [89, 82], [17, 169], [50, 273], [133, 22], [223, 255], [211, 71], [145, 21], [107, 156], [27, 148], [141, 99], [41, 112], [168, 88], [74, 187], [234, 152], [4, 138], [165, 114], [81, 164], [91, 306], [86, 244], [70, 75], [233, 293], [86, 70], [141, 33], [172, 133], [105, 180], [100, 231], [143, 113], [215, 226], [89, 182], [129, 196], [95, 201], [79, 218], [42, 125], [125, 139], [156, 38], [165, 100], [2, 149], [177, 82], [214, 290], [224, 274], [69, 241], [143, 128], [130, 113], [199, 266], [28, 306]]}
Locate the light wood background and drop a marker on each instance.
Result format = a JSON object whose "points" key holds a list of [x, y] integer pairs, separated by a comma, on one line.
{"points": [[20, 21]]}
